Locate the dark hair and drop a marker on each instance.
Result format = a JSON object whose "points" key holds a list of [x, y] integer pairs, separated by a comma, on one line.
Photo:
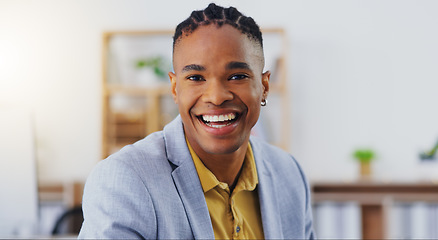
{"points": [[219, 16]]}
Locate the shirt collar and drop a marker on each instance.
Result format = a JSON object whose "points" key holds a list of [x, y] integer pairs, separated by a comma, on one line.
{"points": [[248, 179]]}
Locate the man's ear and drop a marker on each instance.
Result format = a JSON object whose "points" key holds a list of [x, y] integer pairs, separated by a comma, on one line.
{"points": [[265, 82], [172, 78]]}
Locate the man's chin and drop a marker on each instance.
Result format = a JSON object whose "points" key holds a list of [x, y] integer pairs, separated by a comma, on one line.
{"points": [[220, 148]]}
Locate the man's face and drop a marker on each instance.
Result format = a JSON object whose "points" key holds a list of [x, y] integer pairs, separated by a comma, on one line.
{"points": [[218, 85]]}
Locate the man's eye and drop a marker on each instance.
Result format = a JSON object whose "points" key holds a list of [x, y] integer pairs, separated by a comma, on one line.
{"points": [[238, 77], [195, 78]]}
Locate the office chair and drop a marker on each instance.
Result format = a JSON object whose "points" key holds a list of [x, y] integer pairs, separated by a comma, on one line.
{"points": [[69, 222]]}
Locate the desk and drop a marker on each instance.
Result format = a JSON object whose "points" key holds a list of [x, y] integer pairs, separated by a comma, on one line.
{"points": [[68, 193], [374, 199]]}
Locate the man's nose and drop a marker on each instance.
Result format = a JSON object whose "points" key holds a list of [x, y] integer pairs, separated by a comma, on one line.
{"points": [[217, 92]]}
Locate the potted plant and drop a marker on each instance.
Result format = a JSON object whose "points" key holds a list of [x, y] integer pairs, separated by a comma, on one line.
{"points": [[365, 157], [152, 70]]}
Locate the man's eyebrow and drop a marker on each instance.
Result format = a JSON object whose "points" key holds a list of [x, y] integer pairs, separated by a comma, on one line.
{"points": [[193, 67], [237, 65]]}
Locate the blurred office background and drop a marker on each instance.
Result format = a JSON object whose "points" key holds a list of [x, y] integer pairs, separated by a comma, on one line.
{"points": [[360, 74]]}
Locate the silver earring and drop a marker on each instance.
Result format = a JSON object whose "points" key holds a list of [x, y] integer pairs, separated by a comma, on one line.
{"points": [[264, 102]]}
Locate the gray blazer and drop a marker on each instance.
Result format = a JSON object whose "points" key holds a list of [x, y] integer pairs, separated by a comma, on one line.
{"points": [[151, 190]]}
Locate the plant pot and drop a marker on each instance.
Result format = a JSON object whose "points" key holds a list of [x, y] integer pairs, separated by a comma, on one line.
{"points": [[365, 170], [147, 78]]}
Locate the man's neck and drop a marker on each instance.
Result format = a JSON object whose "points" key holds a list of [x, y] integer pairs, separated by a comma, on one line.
{"points": [[226, 167]]}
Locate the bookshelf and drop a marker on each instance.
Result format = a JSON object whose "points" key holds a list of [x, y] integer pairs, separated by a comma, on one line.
{"points": [[137, 102]]}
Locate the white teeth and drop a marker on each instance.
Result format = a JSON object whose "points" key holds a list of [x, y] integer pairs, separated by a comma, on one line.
{"points": [[219, 118], [218, 126]]}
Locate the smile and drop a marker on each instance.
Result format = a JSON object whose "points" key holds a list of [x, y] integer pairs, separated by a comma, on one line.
{"points": [[218, 121]]}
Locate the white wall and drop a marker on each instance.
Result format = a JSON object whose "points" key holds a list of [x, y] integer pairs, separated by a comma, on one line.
{"points": [[362, 73]]}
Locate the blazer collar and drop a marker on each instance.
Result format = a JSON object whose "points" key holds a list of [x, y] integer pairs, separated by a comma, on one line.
{"points": [[186, 180], [176, 147], [267, 192]]}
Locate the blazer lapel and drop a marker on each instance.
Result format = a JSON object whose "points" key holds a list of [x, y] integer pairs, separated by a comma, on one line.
{"points": [[195, 206], [186, 181], [267, 194]]}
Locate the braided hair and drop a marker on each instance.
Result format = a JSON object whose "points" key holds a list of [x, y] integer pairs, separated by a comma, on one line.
{"points": [[214, 14]]}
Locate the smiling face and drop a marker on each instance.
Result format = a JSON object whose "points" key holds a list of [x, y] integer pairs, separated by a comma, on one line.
{"points": [[218, 85]]}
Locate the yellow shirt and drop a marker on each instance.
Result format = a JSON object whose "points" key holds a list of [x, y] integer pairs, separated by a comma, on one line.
{"points": [[236, 216]]}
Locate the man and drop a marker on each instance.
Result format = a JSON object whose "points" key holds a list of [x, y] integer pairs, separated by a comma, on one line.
{"points": [[203, 176]]}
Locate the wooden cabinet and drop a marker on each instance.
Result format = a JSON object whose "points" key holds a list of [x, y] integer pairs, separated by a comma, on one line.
{"points": [[376, 201], [137, 102]]}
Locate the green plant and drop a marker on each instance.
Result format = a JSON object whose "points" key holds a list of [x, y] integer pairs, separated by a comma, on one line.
{"points": [[364, 155], [429, 155], [157, 64]]}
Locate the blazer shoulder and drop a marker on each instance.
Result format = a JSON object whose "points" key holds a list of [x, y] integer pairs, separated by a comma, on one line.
{"points": [[115, 184]]}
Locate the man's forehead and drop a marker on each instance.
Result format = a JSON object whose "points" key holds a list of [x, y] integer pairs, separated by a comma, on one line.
{"points": [[205, 37]]}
